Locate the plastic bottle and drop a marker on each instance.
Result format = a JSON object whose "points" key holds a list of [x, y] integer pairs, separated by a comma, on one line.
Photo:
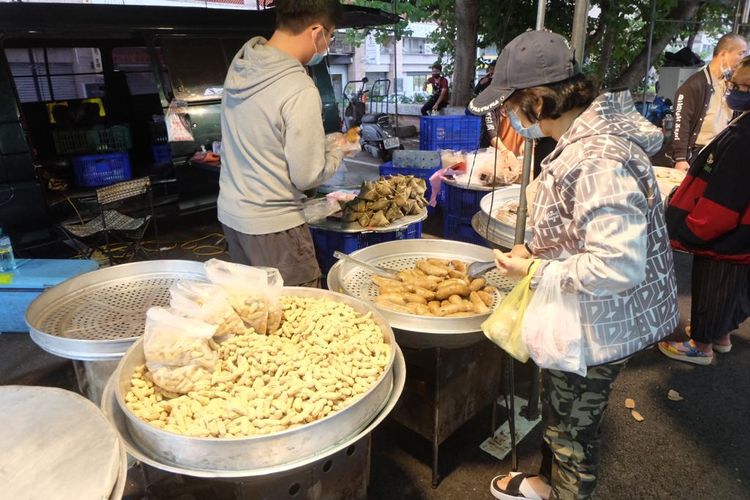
{"points": [[7, 261]]}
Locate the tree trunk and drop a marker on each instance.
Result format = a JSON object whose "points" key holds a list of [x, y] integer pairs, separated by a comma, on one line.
{"points": [[608, 47], [467, 19], [685, 10]]}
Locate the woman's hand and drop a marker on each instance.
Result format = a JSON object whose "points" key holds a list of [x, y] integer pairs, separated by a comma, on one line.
{"points": [[520, 251], [510, 266]]}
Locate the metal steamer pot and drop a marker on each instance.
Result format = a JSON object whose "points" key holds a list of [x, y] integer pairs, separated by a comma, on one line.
{"points": [[241, 456], [413, 331]]}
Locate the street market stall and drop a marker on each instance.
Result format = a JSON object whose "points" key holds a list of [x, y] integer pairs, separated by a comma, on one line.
{"points": [[454, 372], [113, 304]]}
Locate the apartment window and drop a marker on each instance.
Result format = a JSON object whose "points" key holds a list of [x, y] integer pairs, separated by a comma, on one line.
{"points": [[53, 74], [414, 45], [418, 82]]}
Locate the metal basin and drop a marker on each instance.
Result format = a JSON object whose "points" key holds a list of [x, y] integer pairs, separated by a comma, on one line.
{"points": [[97, 316], [418, 332], [259, 452], [119, 421]]}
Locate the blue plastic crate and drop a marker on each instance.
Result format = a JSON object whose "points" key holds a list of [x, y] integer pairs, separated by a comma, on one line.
{"points": [[462, 202], [421, 173], [162, 154], [326, 242], [456, 228], [101, 170], [450, 132]]}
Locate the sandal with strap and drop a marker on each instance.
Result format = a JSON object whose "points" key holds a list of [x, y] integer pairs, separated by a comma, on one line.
{"points": [[685, 351], [720, 348], [518, 488]]}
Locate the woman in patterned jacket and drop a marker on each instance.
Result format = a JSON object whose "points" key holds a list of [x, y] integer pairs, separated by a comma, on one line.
{"points": [[598, 212]]}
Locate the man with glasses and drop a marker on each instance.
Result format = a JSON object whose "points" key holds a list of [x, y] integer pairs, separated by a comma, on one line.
{"points": [[273, 142], [701, 112]]}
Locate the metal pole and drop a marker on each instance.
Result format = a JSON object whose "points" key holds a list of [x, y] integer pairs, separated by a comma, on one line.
{"points": [[540, 12], [580, 18], [395, 62], [648, 55], [746, 12], [737, 16], [528, 157]]}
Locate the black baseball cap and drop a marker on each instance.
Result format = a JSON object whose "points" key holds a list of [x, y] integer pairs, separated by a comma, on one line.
{"points": [[531, 59]]}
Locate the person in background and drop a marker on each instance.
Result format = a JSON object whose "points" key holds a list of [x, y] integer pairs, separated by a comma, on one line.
{"points": [[709, 216], [701, 111], [440, 93], [273, 143], [597, 212], [484, 82]]}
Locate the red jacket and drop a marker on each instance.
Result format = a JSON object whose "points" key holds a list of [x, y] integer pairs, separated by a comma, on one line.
{"points": [[709, 213]]}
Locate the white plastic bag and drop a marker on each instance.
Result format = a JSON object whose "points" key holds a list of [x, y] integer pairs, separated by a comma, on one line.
{"points": [[178, 126], [177, 351], [552, 325], [208, 303], [493, 167], [253, 292]]}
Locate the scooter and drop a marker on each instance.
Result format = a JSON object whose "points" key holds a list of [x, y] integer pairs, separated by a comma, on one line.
{"points": [[377, 134]]}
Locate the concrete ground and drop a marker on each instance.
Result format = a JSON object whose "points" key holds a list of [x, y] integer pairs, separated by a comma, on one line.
{"points": [[691, 449]]}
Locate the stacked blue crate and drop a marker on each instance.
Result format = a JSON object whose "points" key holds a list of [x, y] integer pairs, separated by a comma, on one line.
{"points": [[326, 241], [458, 132], [461, 204]]}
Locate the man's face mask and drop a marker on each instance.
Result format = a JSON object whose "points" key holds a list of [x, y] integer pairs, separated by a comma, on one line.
{"points": [[318, 57]]}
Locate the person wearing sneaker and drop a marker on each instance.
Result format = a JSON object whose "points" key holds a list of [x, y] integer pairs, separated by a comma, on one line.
{"points": [[597, 211], [709, 216]]}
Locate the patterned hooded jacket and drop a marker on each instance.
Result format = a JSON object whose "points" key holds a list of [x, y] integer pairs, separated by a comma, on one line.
{"points": [[598, 210]]}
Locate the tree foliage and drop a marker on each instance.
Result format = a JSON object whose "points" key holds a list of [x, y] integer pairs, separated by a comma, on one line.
{"points": [[617, 38]]}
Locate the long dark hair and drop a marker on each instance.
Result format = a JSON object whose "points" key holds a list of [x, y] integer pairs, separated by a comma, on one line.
{"points": [[578, 91]]}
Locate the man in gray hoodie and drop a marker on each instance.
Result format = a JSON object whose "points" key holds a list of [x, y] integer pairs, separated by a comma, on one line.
{"points": [[273, 143]]}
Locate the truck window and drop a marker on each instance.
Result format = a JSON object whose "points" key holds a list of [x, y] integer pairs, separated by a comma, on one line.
{"points": [[53, 74]]}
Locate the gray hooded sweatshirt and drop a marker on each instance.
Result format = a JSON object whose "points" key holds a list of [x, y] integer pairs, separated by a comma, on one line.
{"points": [[273, 143], [598, 211]]}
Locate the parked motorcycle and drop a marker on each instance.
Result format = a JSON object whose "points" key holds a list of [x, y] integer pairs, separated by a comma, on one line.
{"points": [[377, 133]]}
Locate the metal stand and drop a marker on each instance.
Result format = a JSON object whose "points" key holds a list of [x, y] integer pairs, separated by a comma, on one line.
{"points": [[444, 389], [343, 475]]}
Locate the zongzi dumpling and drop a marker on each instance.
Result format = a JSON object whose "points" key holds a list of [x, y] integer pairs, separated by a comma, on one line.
{"points": [[364, 219], [379, 219], [368, 191]]}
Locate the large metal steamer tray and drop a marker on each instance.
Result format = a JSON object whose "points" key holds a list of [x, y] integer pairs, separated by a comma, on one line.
{"points": [[255, 455], [98, 315], [413, 330]]}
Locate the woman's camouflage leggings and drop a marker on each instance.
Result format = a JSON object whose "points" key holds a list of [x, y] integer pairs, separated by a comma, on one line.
{"points": [[572, 410]]}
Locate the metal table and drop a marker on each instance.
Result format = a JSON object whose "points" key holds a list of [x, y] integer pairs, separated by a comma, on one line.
{"points": [[453, 370]]}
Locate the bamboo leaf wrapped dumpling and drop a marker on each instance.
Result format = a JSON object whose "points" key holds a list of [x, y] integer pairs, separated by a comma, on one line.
{"points": [[393, 213], [379, 219], [368, 191], [349, 215], [379, 204], [364, 219]]}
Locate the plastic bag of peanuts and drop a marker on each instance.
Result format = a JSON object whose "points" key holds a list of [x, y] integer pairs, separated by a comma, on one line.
{"points": [[208, 303], [177, 350], [253, 292]]}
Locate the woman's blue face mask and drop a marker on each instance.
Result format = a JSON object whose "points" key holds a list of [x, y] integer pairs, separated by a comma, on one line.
{"points": [[531, 132]]}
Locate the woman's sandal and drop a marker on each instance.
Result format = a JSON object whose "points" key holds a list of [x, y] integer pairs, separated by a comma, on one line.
{"points": [[518, 488], [720, 348]]}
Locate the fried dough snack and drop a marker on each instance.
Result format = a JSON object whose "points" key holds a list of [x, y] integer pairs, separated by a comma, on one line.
{"points": [[435, 287]]}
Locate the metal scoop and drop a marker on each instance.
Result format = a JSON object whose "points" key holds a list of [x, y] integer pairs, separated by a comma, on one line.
{"points": [[380, 271], [477, 269]]}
